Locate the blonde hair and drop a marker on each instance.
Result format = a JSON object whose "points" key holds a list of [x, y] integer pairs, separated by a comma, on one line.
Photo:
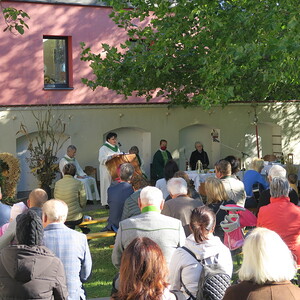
{"points": [[215, 191], [257, 164], [266, 258]]}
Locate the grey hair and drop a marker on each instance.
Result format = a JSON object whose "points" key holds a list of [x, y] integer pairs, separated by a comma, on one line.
{"points": [[71, 147], [177, 186], [279, 187], [198, 143], [277, 171], [126, 171]]}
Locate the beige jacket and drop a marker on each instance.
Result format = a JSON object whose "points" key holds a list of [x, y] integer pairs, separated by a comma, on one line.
{"points": [[71, 191]]}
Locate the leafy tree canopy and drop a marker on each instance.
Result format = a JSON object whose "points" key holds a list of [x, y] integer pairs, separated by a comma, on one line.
{"points": [[203, 52], [15, 19]]}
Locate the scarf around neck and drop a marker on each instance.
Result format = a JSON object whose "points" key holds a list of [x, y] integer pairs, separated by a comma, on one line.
{"points": [[113, 148]]}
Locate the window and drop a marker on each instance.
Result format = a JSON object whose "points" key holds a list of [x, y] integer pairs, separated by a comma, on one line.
{"points": [[56, 62]]}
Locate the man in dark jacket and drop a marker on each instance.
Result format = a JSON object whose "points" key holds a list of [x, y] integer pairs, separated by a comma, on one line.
{"points": [[117, 195], [29, 270], [160, 159]]}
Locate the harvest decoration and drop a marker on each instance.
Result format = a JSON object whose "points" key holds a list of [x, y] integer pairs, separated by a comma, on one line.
{"points": [[9, 177], [44, 146]]}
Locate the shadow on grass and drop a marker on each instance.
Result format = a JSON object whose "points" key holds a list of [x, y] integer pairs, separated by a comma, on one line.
{"points": [[99, 285]]}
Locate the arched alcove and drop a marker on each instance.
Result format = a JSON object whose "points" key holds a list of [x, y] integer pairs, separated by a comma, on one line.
{"points": [[27, 180], [134, 136], [202, 133]]}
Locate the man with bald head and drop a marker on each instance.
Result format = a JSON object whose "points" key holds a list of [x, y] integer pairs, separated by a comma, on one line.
{"points": [[166, 231], [36, 200]]}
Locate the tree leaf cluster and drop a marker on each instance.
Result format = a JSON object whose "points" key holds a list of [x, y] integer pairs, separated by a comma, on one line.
{"points": [[15, 19], [202, 52]]}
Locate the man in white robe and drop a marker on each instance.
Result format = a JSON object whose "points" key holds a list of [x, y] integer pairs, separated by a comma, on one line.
{"points": [[108, 151], [89, 183]]}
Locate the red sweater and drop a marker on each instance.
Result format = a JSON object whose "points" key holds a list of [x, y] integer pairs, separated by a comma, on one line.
{"points": [[283, 217]]}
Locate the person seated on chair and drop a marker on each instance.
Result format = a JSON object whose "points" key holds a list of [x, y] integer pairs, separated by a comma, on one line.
{"points": [[264, 197], [143, 272], [234, 188], [185, 269], [90, 184], [282, 216], [235, 165], [72, 192], [181, 205], [29, 270], [215, 197], [167, 232], [131, 205], [254, 178], [170, 169], [266, 271], [117, 194], [293, 181]]}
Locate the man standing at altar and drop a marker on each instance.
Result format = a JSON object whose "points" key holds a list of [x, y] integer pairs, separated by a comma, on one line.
{"points": [[160, 159], [108, 151], [89, 183]]}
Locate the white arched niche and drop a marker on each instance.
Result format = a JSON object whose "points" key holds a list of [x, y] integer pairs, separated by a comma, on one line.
{"points": [[269, 140], [202, 133], [134, 136], [28, 181]]}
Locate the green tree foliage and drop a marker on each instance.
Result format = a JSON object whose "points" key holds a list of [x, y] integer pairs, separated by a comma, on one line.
{"points": [[202, 52], [14, 19]]}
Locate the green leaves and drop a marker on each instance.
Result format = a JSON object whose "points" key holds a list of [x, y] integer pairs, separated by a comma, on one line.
{"points": [[204, 52], [14, 19]]}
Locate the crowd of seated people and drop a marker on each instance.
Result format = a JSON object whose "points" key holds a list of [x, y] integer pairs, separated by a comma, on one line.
{"points": [[163, 238], [40, 257]]}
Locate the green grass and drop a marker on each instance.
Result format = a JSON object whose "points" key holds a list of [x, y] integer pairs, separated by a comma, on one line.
{"points": [[99, 285]]}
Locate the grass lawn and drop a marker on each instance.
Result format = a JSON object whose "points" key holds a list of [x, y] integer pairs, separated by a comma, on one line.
{"points": [[103, 272], [99, 285]]}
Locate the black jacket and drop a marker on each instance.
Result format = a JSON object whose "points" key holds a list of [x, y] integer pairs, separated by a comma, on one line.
{"points": [[31, 273], [202, 156]]}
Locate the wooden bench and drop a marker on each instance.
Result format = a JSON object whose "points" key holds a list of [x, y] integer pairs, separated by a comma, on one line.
{"points": [[97, 235], [94, 221]]}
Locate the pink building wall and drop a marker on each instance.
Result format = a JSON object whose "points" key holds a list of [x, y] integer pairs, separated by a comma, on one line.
{"points": [[21, 57]]}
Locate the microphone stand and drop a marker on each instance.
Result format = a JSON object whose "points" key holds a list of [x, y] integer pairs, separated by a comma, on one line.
{"points": [[244, 154]]}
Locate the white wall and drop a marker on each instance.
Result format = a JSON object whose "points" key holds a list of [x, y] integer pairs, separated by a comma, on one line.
{"points": [[146, 125]]}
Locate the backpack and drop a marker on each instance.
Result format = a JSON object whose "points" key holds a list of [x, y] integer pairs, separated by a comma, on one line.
{"points": [[213, 280]]}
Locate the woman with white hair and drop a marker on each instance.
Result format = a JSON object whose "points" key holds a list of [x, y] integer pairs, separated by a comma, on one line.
{"points": [[266, 271], [251, 178]]}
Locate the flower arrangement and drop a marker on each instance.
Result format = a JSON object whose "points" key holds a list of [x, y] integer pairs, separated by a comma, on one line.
{"points": [[44, 146], [9, 177]]}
